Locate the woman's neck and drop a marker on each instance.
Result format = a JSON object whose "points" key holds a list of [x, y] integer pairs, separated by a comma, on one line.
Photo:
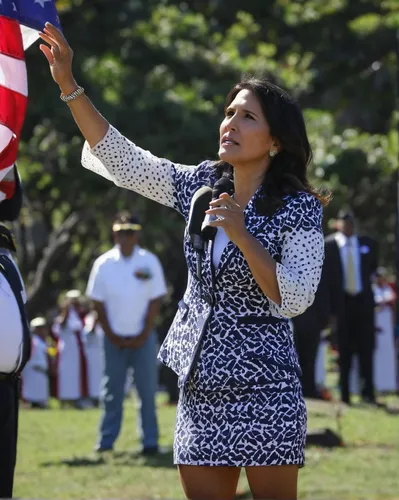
{"points": [[246, 184]]}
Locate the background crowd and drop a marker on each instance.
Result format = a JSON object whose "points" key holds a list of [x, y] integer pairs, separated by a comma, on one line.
{"points": [[67, 360]]}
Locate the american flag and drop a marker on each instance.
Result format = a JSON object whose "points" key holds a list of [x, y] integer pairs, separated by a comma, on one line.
{"points": [[20, 22]]}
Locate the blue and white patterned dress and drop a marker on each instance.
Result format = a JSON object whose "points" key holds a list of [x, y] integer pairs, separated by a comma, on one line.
{"points": [[240, 400]]}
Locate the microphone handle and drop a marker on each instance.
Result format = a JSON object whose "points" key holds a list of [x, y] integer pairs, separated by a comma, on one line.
{"points": [[199, 266], [208, 232], [199, 247]]}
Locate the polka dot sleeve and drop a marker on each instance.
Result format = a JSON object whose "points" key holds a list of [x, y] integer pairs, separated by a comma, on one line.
{"points": [[122, 162], [302, 257]]}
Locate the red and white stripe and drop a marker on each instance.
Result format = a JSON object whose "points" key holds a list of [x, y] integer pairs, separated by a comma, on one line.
{"points": [[13, 99]]}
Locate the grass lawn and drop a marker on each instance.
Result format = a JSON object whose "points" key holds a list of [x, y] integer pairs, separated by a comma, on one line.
{"points": [[55, 459]]}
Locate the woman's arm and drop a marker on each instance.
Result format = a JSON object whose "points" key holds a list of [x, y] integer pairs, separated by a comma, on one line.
{"points": [[106, 151], [262, 266], [291, 284]]}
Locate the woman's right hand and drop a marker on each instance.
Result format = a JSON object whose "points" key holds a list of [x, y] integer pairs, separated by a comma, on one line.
{"points": [[59, 56]]}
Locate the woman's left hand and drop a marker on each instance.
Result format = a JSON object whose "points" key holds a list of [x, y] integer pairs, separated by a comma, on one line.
{"points": [[231, 218]]}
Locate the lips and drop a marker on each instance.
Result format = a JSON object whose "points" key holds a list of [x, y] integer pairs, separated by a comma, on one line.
{"points": [[226, 140]]}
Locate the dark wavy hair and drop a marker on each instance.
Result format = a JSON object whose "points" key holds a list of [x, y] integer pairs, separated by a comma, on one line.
{"points": [[287, 172]]}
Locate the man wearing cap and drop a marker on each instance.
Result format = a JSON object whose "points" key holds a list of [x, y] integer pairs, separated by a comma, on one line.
{"points": [[15, 342], [126, 285], [35, 377], [351, 262]]}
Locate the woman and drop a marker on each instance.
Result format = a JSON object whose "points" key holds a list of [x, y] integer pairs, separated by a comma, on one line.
{"points": [[230, 343], [71, 360], [35, 387], [385, 371]]}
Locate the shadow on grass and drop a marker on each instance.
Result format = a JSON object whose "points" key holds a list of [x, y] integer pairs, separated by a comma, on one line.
{"points": [[161, 460]]}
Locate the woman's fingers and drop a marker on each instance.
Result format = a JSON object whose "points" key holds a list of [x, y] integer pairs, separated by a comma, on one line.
{"points": [[47, 52], [225, 200], [223, 211], [57, 35], [48, 39]]}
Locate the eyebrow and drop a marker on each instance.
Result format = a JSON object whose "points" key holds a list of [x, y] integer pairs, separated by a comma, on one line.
{"points": [[245, 111]]}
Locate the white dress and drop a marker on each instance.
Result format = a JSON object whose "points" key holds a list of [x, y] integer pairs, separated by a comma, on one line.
{"points": [[35, 380], [71, 369], [92, 340], [385, 369], [320, 365]]}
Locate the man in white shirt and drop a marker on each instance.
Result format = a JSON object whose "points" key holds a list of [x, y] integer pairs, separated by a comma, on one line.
{"points": [[15, 342], [351, 261], [126, 285]]}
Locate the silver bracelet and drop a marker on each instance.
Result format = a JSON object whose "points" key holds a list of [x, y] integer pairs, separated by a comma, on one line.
{"points": [[73, 95]]}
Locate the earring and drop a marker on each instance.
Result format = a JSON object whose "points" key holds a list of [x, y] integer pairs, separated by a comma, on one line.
{"points": [[272, 153]]}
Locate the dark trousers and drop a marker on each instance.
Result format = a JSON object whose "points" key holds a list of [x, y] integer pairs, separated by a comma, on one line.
{"points": [[356, 336], [170, 381], [307, 343], [9, 397]]}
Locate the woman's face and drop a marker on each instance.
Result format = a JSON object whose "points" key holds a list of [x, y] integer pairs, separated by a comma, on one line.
{"points": [[380, 280], [244, 133]]}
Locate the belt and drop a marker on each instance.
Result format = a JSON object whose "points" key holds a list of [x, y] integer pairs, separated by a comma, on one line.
{"points": [[8, 377]]}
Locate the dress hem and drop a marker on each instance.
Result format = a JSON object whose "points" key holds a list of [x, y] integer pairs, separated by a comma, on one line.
{"points": [[225, 464]]}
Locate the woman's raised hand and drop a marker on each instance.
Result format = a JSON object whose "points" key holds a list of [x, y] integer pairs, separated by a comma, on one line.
{"points": [[59, 56]]}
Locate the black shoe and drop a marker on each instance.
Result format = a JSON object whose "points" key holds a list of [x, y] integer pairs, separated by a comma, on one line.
{"points": [[370, 400], [38, 406], [99, 449], [149, 451]]}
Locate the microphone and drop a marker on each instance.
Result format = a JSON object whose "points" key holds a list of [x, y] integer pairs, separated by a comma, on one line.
{"points": [[199, 204], [223, 185]]}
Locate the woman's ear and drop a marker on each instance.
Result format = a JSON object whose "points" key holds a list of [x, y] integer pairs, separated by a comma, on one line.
{"points": [[276, 145]]}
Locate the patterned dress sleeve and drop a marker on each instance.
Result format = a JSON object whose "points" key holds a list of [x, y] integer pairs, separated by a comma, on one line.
{"points": [[122, 162], [299, 272]]}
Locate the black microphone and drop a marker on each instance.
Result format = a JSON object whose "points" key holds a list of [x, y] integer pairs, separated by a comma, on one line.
{"points": [[223, 185], [199, 204]]}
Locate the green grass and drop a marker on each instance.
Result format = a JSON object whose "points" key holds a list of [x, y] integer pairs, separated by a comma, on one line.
{"points": [[55, 459]]}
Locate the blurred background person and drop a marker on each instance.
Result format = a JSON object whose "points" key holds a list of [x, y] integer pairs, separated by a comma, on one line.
{"points": [[385, 363], [92, 340], [351, 262], [126, 285], [307, 330], [35, 377], [71, 360]]}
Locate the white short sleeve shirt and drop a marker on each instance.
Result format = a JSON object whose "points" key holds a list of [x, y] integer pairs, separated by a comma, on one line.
{"points": [[126, 286], [11, 330]]}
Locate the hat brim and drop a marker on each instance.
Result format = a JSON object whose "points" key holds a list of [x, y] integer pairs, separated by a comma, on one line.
{"points": [[38, 322], [126, 226]]}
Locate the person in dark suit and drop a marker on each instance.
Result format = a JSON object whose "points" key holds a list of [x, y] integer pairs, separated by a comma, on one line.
{"points": [[351, 262], [307, 329]]}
